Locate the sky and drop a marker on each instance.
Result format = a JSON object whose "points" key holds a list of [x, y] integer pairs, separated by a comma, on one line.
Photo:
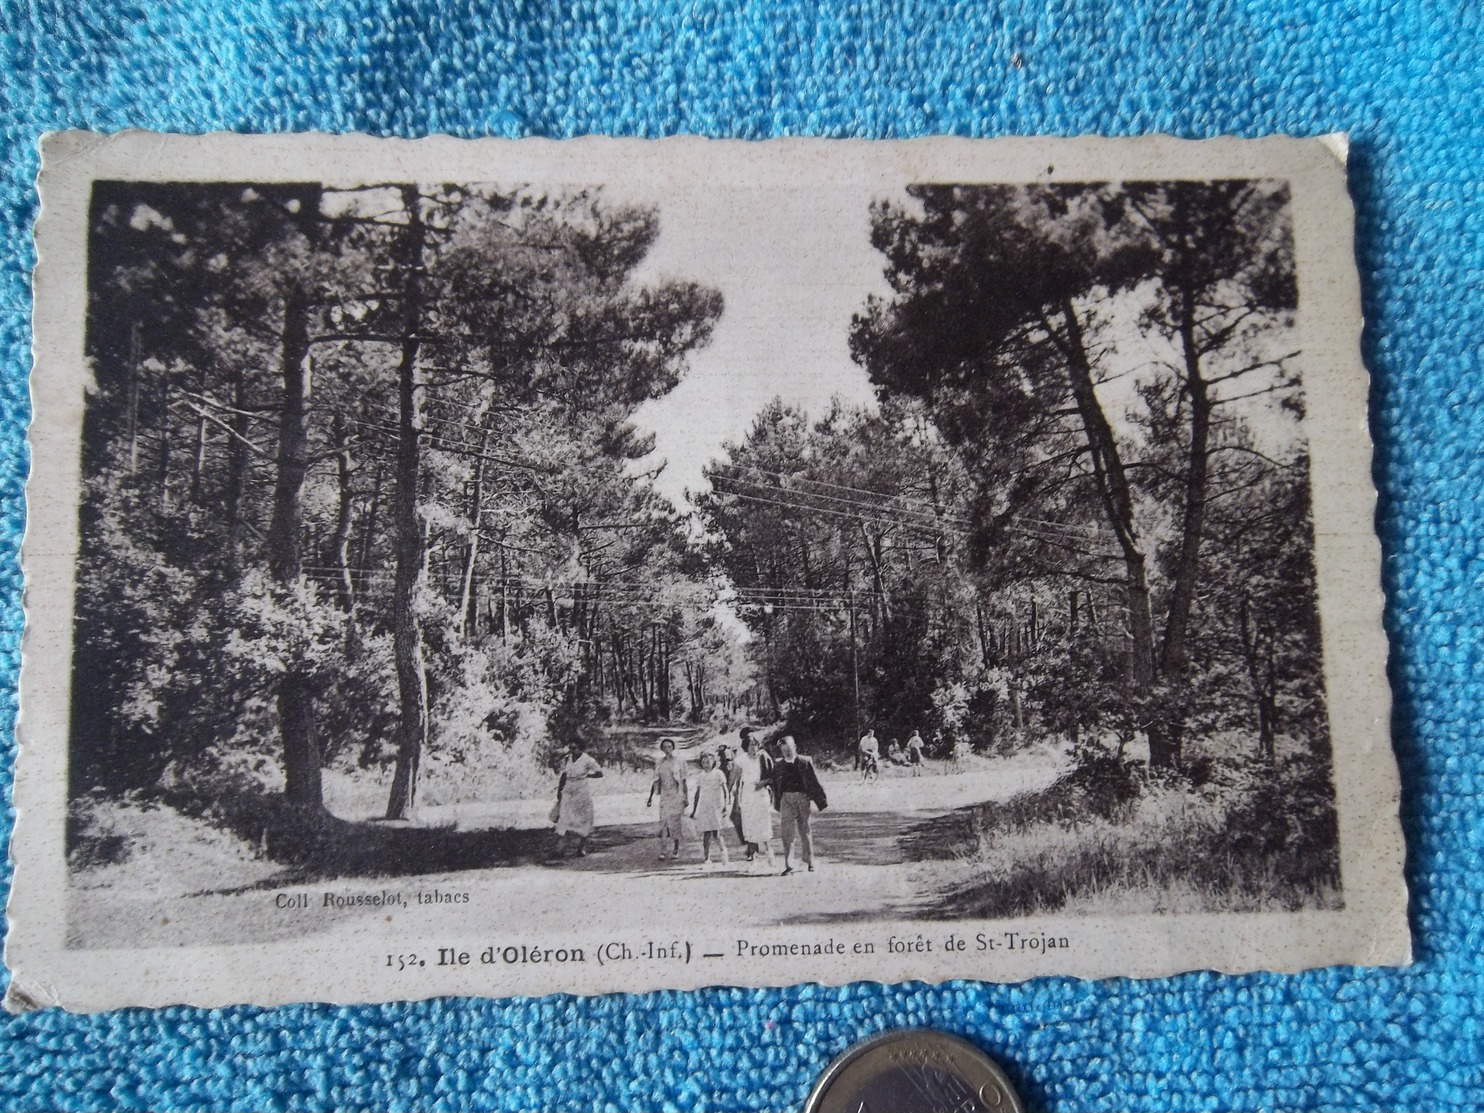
{"points": [[793, 266]]}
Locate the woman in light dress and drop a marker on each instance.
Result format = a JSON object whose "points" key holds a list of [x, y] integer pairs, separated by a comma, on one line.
{"points": [[574, 808], [752, 778], [711, 806], [671, 785]]}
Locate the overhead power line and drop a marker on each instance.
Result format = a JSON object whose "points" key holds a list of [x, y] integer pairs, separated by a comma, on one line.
{"points": [[635, 591], [928, 509], [924, 527], [875, 507], [927, 505]]}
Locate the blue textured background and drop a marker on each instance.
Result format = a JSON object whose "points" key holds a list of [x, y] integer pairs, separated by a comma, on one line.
{"points": [[1404, 79]]}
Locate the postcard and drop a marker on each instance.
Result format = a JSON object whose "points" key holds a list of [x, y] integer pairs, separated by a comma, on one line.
{"points": [[512, 567]]}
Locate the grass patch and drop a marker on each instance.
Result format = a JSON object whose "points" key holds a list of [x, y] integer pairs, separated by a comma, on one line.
{"points": [[315, 844], [148, 846], [180, 844], [1227, 835]]}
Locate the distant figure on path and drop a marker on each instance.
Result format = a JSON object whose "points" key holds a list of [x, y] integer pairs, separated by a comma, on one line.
{"points": [[868, 756], [959, 756], [674, 792], [752, 782], [574, 807], [914, 753], [711, 806], [796, 786]]}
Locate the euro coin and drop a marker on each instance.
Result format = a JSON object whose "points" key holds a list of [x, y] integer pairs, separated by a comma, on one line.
{"points": [[913, 1071]]}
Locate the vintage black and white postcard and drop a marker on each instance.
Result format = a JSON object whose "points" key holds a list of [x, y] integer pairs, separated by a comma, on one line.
{"points": [[512, 567]]}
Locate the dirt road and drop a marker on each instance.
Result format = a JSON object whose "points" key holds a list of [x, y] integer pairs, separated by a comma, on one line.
{"points": [[865, 845], [869, 846]]}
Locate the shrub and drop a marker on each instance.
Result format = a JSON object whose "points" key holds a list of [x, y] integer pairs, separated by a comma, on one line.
{"points": [[1234, 834]]}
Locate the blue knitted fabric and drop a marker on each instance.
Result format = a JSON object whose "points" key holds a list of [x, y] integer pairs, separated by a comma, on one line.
{"points": [[1403, 79]]}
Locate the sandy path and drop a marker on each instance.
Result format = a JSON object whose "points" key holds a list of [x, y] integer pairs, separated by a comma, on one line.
{"points": [[867, 846], [864, 865]]}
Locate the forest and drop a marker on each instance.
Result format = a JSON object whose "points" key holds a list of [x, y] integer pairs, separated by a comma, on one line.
{"points": [[364, 490], [359, 486], [1034, 531]]}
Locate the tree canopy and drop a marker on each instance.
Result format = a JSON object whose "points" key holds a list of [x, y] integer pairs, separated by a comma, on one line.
{"points": [[1014, 313], [359, 476], [363, 487]]}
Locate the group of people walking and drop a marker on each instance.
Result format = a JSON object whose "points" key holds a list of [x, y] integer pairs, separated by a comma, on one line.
{"points": [[741, 789]]}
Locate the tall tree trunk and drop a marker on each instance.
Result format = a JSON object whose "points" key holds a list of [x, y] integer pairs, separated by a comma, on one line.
{"points": [[164, 473], [238, 462], [1268, 706], [1173, 656], [1187, 567], [373, 509], [411, 552], [471, 556], [875, 558], [301, 752], [1263, 687], [340, 539], [646, 671], [855, 669], [504, 595], [1118, 504], [986, 647], [136, 357], [774, 707], [666, 704], [198, 463], [620, 669], [301, 757]]}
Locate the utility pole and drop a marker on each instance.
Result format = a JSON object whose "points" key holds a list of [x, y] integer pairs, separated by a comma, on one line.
{"points": [[855, 671]]}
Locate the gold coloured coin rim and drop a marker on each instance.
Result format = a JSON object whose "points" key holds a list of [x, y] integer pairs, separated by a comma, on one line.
{"points": [[904, 1035]]}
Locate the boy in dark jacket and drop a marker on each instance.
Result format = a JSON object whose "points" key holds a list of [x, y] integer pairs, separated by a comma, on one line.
{"points": [[795, 787]]}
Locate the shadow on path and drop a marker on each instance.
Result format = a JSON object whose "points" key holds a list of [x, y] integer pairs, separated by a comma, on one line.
{"points": [[852, 838], [891, 838], [314, 845]]}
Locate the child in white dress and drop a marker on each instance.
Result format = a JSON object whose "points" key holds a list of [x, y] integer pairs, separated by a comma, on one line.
{"points": [[711, 806]]}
